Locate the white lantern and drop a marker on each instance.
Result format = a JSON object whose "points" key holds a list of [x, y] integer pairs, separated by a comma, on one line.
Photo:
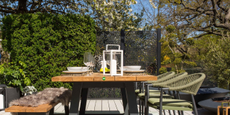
{"points": [[114, 58]]}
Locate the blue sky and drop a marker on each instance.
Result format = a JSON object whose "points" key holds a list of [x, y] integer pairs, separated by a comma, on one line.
{"points": [[149, 13]]}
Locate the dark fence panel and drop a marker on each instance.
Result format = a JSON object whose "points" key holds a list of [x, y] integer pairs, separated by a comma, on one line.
{"points": [[140, 48]]}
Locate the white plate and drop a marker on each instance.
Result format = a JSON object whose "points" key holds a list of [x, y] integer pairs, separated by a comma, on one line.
{"points": [[134, 70], [81, 71], [132, 67], [77, 68]]}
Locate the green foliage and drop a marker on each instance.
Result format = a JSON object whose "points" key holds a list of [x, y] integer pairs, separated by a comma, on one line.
{"points": [[162, 70], [190, 41], [48, 43], [217, 60], [13, 75], [170, 28], [190, 63], [177, 48]]}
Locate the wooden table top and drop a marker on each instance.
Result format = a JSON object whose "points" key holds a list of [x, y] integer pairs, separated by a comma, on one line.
{"points": [[98, 77]]}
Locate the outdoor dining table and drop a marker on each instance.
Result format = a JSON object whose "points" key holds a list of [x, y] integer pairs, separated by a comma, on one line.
{"points": [[98, 80]]}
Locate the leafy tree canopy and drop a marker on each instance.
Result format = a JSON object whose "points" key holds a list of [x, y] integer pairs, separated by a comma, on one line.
{"points": [[204, 16], [108, 14]]}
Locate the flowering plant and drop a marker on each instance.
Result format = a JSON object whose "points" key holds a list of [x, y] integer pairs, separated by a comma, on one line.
{"points": [[28, 90]]}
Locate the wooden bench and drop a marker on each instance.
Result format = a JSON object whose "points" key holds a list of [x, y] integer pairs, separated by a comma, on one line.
{"points": [[45, 109]]}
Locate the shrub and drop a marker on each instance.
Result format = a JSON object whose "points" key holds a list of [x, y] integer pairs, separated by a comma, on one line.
{"points": [[48, 43], [13, 75], [162, 70]]}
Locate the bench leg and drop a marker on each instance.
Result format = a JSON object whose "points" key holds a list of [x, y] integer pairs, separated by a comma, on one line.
{"points": [[66, 110], [51, 111]]}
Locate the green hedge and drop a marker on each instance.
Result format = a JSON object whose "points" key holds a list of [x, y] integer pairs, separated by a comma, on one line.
{"points": [[48, 43]]}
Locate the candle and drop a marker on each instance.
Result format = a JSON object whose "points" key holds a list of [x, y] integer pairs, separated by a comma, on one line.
{"points": [[113, 67]]}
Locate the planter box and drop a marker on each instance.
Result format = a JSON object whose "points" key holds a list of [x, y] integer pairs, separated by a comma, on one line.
{"points": [[11, 94]]}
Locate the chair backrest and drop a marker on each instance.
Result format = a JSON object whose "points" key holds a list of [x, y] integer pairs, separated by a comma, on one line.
{"points": [[164, 75], [165, 80], [187, 84]]}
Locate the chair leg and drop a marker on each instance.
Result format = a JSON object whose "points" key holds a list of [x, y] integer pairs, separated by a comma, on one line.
{"points": [[135, 85], [142, 107], [147, 110], [142, 87], [178, 97], [140, 103], [161, 96], [194, 105], [146, 100], [174, 97]]}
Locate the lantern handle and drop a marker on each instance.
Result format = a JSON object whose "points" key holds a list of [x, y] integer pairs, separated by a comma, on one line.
{"points": [[107, 45]]}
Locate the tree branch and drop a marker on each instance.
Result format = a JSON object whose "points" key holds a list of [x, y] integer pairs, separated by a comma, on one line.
{"points": [[7, 11], [224, 9], [9, 8]]}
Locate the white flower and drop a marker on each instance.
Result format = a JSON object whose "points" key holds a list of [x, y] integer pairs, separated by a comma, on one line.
{"points": [[153, 5], [135, 17], [130, 10], [110, 3]]}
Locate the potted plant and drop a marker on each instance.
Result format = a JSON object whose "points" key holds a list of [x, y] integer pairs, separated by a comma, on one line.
{"points": [[13, 75]]}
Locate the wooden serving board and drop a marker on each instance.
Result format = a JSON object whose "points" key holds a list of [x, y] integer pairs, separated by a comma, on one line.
{"points": [[77, 73]]}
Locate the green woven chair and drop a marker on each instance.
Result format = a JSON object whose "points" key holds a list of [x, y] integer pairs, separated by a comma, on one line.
{"points": [[141, 88], [162, 83], [160, 78], [187, 84], [156, 93]]}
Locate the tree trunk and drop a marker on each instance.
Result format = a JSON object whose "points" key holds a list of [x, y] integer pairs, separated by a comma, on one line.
{"points": [[22, 6]]}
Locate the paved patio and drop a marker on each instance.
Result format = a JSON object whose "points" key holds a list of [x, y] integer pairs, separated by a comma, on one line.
{"points": [[112, 106]]}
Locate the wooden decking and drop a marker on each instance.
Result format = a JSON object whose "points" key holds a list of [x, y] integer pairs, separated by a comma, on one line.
{"points": [[112, 106]]}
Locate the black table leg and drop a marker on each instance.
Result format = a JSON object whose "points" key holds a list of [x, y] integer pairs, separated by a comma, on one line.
{"points": [[124, 100], [83, 100], [76, 94], [132, 99]]}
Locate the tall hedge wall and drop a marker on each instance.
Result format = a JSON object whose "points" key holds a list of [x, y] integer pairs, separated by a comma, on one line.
{"points": [[48, 43]]}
